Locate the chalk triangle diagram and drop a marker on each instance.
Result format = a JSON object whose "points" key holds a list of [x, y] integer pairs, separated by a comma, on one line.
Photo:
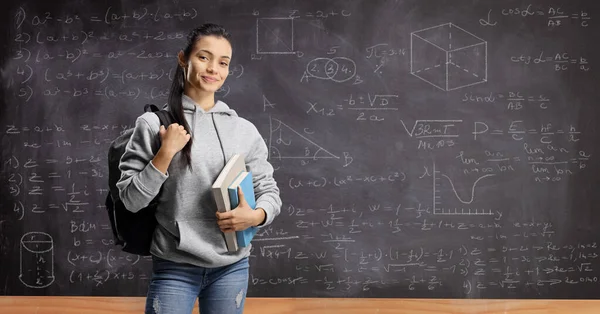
{"points": [[287, 143]]}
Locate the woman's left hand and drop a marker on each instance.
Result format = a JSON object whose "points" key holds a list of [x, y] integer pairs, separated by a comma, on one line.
{"points": [[240, 218]]}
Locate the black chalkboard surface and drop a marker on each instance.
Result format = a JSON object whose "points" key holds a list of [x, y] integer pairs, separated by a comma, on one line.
{"points": [[436, 149]]}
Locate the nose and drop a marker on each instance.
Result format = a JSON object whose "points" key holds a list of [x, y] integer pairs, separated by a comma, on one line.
{"points": [[210, 67]]}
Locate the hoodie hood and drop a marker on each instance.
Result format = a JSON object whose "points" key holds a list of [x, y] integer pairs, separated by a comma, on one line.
{"points": [[220, 107]]}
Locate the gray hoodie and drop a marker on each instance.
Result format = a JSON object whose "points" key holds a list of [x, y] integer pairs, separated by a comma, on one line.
{"points": [[187, 229]]}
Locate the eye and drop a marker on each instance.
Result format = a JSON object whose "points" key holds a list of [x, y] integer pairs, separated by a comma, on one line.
{"points": [[224, 64], [203, 57]]}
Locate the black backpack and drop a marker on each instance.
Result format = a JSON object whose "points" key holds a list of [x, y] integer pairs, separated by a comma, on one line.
{"points": [[132, 231]]}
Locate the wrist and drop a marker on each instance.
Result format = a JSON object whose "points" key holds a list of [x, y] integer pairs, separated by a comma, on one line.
{"points": [[166, 153], [261, 217]]}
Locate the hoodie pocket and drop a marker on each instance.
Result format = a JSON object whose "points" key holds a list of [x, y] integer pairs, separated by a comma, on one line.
{"points": [[200, 237]]}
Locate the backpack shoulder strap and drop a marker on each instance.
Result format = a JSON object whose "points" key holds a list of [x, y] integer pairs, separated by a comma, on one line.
{"points": [[150, 108], [165, 117]]}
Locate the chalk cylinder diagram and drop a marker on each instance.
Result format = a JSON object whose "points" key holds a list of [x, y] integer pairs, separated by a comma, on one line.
{"points": [[37, 260]]}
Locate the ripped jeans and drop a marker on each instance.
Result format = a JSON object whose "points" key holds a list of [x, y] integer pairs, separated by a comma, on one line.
{"points": [[174, 288]]}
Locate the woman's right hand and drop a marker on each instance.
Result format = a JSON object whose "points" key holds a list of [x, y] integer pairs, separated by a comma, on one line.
{"points": [[173, 138]]}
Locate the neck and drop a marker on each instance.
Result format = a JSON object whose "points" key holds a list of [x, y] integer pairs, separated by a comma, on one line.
{"points": [[204, 100]]}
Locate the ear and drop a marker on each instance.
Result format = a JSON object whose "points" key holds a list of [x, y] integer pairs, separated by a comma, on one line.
{"points": [[181, 59]]}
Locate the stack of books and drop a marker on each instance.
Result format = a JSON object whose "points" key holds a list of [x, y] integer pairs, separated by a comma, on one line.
{"points": [[225, 192]]}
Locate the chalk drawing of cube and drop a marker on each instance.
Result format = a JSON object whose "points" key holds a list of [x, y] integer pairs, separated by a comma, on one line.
{"points": [[448, 57], [275, 35]]}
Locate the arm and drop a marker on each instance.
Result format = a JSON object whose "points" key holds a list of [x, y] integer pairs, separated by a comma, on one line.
{"points": [[265, 186], [140, 180], [144, 165]]}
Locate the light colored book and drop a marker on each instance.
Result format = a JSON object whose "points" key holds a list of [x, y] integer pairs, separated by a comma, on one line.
{"points": [[244, 181], [229, 173]]}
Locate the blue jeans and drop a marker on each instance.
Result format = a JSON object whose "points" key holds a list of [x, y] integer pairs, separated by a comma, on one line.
{"points": [[174, 288]]}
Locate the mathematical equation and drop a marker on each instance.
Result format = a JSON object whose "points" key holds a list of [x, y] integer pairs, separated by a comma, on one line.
{"points": [[108, 17], [555, 16], [560, 61], [364, 105], [514, 101], [346, 269]]}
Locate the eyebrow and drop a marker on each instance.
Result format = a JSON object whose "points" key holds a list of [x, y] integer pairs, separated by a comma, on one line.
{"points": [[210, 53]]}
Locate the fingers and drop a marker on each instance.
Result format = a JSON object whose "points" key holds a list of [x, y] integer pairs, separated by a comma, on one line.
{"points": [[226, 224], [174, 137], [224, 215], [226, 221], [175, 127], [241, 196]]}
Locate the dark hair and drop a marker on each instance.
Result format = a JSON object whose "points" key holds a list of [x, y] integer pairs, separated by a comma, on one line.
{"points": [[177, 86]]}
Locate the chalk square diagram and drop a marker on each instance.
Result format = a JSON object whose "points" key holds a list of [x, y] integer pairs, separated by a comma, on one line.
{"points": [[448, 57], [275, 35]]}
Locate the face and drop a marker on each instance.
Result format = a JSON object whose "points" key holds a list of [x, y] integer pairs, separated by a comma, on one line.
{"points": [[208, 64]]}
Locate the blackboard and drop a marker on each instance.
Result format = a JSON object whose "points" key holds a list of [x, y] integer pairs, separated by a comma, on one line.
{"points": [[431, 149]]}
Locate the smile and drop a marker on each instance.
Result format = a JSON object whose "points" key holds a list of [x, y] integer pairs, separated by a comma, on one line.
{"points": [[209, 79]]}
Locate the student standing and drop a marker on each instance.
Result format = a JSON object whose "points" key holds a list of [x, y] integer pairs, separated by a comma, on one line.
{"points": [[190, 257]]}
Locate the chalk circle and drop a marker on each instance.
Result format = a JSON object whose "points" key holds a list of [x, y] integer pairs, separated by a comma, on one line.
{"points": [[330, 68], [317, 68], [37, 242], [346, 69]]}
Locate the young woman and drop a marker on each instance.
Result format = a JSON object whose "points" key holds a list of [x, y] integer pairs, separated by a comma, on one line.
{"points": [[190, 257]]}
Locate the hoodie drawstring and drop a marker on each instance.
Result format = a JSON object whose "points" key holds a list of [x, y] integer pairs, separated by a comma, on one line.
{"points": [[219, 137]]}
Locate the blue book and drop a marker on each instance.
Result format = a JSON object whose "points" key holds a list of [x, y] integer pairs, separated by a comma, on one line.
{"points": [[229, 173], [243, 180]]}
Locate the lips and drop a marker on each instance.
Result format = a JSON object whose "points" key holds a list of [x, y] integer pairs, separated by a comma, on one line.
{"points": [[209, 79]]}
